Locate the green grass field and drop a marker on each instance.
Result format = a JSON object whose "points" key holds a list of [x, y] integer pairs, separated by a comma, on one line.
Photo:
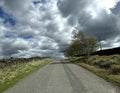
{"points": [[107, 67], [10, 75]]}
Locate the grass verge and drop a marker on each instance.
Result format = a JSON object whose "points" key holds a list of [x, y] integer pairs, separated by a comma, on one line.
{"points": [[11, 75], [102, 73]]}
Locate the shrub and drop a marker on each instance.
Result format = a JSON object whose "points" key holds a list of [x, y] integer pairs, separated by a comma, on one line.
{"points": [[115, 69], [105, 65], [93, 60]]}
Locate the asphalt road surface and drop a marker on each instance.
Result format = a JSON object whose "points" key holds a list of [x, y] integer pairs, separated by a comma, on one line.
{"points": [[63, 77]]}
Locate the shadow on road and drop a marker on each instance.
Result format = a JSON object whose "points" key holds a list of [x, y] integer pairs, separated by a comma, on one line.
{"points": [[54, 63]]}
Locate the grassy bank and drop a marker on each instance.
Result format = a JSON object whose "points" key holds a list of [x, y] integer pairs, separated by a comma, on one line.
{"points": [[107, 67], [10, 75]]}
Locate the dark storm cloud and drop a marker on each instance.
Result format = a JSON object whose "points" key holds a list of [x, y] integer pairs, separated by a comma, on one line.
{"points": [[116, 9], [10, 47], [15, 5], [72, 7], [72, 20], [73, 10], [104, 25], [44, 27]]}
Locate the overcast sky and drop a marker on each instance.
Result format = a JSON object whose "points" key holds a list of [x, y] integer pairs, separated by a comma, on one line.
{"points": [[44, 27]]}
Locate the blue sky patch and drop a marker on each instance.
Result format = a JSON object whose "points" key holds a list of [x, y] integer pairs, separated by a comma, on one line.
{"points": [[39, 1], [26, 36], [36, 2], [8, 36], [7, 18]]}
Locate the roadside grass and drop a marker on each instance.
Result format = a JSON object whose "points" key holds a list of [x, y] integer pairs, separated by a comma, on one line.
{"points": [[102, 73], [11, 75], [107, 67]]}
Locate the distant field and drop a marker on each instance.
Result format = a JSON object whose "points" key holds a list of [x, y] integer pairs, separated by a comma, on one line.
{"points": [[107, 67], [12, 74]]}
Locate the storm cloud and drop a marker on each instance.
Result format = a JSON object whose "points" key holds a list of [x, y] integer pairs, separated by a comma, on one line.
{"points": [[93, 18], [44, 27]]}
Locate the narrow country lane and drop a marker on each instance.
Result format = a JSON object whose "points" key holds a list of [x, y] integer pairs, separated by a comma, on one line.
{"points": [[63, 77]]}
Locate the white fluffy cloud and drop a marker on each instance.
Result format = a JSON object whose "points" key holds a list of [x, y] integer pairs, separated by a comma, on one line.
{"points": [[40, 26], [44, 28]]}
